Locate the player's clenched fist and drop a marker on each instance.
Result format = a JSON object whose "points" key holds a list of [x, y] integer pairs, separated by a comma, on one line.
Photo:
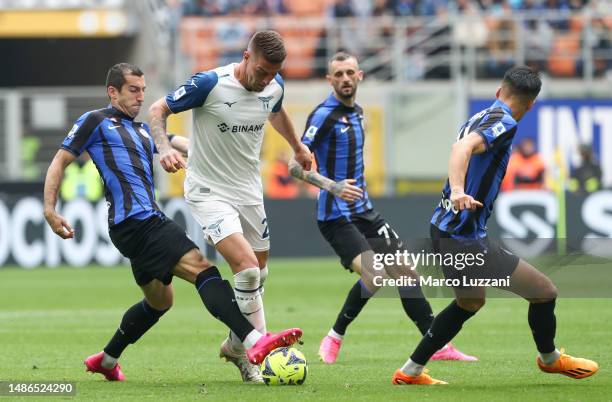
{"points": [[463, 201], [60, 226], [172, 160], [304, 157]]}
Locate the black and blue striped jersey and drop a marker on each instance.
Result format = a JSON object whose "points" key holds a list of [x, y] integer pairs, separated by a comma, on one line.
{"points": [[334, 133], [484, 175], [122, 150]]}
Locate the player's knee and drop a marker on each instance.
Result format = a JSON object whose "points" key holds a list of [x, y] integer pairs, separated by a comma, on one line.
{"points": [[263, 275], [547, 290], [472, 305], [249, 275], [162, 301]]}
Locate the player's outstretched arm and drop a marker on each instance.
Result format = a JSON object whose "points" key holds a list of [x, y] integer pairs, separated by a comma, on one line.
{"points": [[461, 153], [281, 123], [170, 159], [53, 180], [343, 189]]}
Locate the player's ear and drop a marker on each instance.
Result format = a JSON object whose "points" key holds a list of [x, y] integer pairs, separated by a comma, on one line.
{"points": [[329, 78], [360, 75], [498, 92], [246, 55], [111, 91]]}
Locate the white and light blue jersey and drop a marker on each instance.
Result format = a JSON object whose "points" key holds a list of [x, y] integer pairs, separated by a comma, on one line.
{"points": [[485, 173], [228, 128]]}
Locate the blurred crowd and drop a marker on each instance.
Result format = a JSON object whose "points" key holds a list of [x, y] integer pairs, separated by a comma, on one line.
{"points": [[352, 8], [551, 37]]}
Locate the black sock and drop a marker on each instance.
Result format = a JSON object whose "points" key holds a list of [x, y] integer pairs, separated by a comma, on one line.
{"points": [[352, 307], [444, 328], [417, 307], [543, 325], [136, 321], [218, 297]]}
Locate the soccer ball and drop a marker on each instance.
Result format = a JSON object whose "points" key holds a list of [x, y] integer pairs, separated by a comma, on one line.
{"points": [[284, 366]]}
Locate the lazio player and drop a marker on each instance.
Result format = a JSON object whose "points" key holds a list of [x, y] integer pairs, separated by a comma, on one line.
{"points": [[223, 186]]}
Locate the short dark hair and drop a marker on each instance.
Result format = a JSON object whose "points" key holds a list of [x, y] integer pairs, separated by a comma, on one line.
{"points": [[116, 74], [340, 56], [270, 45], [522, 81]]}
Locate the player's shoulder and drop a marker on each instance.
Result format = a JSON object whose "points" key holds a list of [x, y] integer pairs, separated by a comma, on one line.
{"points": [[278, 79], [207, 79], [94, 117]]}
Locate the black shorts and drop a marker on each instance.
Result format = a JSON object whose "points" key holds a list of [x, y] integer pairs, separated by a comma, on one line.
{"points": [[365, 231], [489, 261], [153, 245]]}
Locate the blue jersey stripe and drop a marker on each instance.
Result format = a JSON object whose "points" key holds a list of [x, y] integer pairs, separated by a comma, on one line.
{"points": [[335, 135], [484, 174]]}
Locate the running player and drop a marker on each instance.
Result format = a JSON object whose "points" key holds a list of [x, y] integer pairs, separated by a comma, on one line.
{"points": [[477, 165], [345, 216], [223, 183], [158, 248]]}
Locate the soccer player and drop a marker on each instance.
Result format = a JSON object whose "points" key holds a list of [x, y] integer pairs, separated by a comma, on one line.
{"points": [[476, 168], [223, 182], [345, 216], [158, 248]]}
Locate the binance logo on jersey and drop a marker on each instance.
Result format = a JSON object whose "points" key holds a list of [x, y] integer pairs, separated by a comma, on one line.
{"points": [[245, 128], [223, 127]]}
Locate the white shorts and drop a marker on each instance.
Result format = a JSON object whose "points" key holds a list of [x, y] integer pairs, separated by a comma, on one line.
{"points": [[220, 219]]}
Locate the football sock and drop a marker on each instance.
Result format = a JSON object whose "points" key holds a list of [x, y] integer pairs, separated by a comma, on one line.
{"points": [[417, 307], [444, 328], [335, 335], [352, 306], [248, 297], [263, 275], [108, 361], [543, 325], [135, 322], [412, 369], [246, 289], [219, 300], [550, 358]]}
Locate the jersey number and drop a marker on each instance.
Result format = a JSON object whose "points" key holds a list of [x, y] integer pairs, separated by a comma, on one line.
{"points": [[265, 233], [384, 230]]}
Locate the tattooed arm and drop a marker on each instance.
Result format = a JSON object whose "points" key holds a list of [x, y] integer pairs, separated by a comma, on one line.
{"points": [[170, 159], [344, 189]]}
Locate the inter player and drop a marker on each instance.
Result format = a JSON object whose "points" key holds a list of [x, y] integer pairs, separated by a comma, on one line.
{"points": [[122, 150], [477, 166], [345, 216], [223, 186]]}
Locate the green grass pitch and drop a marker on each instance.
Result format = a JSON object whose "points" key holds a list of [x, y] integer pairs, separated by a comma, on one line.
{"points": [[50, 319]]}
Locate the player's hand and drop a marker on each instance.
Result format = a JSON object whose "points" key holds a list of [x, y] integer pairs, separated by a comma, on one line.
{"points": [[60, 225], [172, 160], [303, 157], [346, 190], [462, 201]]}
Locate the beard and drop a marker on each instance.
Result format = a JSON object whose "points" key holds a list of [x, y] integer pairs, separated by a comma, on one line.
{"points": [[346, 95]]}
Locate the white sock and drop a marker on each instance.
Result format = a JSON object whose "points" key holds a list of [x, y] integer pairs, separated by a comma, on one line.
{"points": [[550, 358], [108, 361], [335, 335], [251, 339], [248, 298], [263, 275], [412, 369]]}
